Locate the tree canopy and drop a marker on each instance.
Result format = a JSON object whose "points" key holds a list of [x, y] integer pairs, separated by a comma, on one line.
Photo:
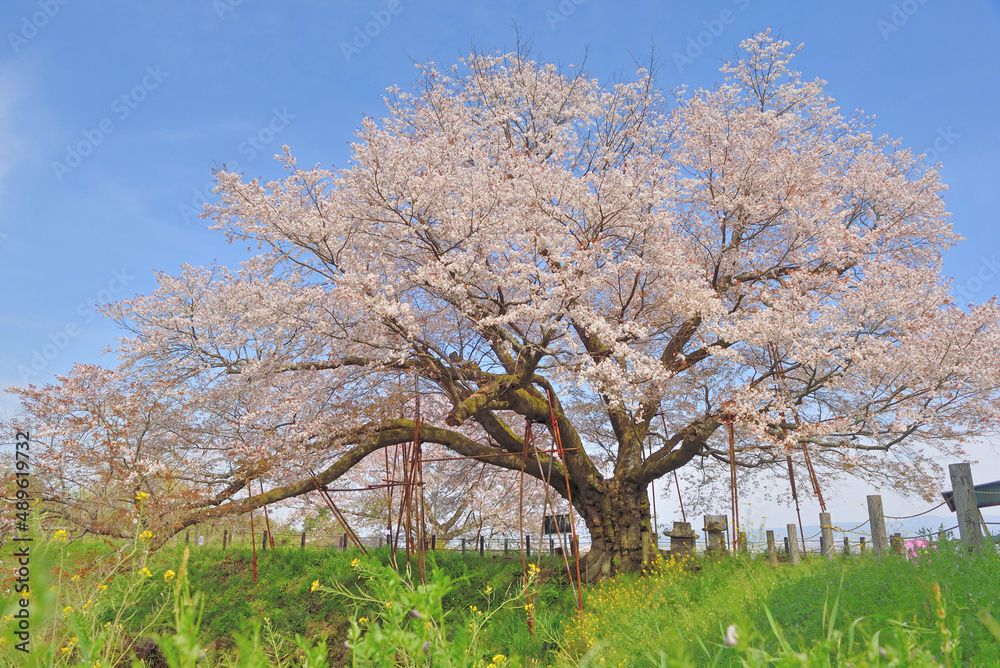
{"points": [[511, 235]]}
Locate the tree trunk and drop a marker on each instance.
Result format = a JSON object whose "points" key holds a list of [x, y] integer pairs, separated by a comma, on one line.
{"points": [[617, 521]]}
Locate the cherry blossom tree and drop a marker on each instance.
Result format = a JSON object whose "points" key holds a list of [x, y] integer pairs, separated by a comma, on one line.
{"points": [[528, 245]]}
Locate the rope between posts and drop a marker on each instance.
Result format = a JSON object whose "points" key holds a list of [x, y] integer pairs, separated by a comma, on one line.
{"points": [[853, 530], [910, 517]]}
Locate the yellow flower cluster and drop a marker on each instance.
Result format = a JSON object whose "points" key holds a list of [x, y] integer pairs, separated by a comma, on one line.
{"points": [[141, 496], [60, 535], [315, 585], [146, 535], [145, 571], [169, 575]]}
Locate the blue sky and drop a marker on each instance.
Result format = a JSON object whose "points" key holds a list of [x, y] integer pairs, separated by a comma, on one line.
{"points": [[156, 94]]}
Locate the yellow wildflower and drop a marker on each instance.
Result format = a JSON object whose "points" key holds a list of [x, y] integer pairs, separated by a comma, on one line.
{"points": [[355, 562], [102, 587], [145, 571], [74, 578], [60, 535], [315, 585], [489, 590], [169, 575], [68, 609], [146, 535], [499, 658], [141, 496], [362, 620]]}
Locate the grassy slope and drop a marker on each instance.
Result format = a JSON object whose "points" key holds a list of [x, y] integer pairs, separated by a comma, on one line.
{"points": [[629, 620], [233, 604]]}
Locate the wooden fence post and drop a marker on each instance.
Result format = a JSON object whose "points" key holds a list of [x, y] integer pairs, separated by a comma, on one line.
{"points": [[847, 545], [263, 544], [965, 504], [826, 531], [527, 544], [225, 537], [482, 546], [187, 537], [793, 544], [880, 542], [787, 553], [861, 547], [772, 553], [434, 539], [302, 542], [505, 546], [552, 546], [463, 546], [897, 543]]}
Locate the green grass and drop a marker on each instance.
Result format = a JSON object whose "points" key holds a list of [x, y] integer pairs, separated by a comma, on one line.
{"points": [[677, 616], [837, 612]]}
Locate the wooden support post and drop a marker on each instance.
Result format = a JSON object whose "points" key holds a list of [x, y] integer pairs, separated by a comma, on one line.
{"points": [[772, 553], [434, 540], [826, 531], [505, 546], [965, 504], [225, 537], [847, 545], [263, 545], [552, 546], [897, 543], [527, 544], [787, 553], [880, 542], [793, 545], [861, 547], [343, 543], [463, 546], [302, 542], [482, 546], [187, 537]]}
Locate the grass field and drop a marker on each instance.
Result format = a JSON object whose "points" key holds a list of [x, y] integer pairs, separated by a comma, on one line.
{"points": [[939, 609]]}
